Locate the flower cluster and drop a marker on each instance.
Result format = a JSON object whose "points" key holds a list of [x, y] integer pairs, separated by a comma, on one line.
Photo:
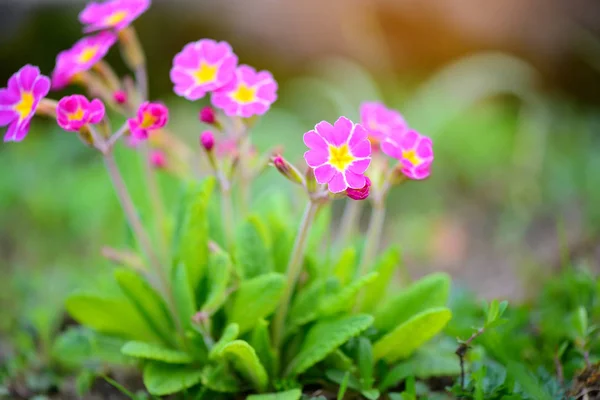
{"points": [[207, 66]]}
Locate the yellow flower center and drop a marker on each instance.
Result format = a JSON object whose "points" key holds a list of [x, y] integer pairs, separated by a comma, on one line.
{"points": [[206, 73], [411, 156], [88, 54], [340, 157], [25, 106], [244, 94], [76, 116], [148, 120], [115, 18]]}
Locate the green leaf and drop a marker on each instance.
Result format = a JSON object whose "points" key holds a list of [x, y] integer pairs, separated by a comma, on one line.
{"points": [[293, 394], [339, 360], [407, 337], [219, 379], [306, 304], [365, 362], [110, 315], [430, 291], [325, 337], [162, 379], [256, 299], [343, 378], [79, 346], [343, 386], [385, 266], [193, 233], [344, 299], [261, 342], [246, 362], [147, 302], [155, 352], [230, 333], [346, 265], [253, 249], [580, 322], [371, 394], [183, 295], [283, 241], [219, 273]]}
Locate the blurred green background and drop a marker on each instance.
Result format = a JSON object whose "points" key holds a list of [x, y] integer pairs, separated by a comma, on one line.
{"points": [[508, 90]]}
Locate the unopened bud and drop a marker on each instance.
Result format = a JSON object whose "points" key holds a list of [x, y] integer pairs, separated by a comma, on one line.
{"points": [[360, 194], [286, 169], [207, 115], [120, 97], [200, 317], [158, 159], [207, 140]]}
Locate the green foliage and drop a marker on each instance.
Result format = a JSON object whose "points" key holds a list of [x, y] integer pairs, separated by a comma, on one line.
{"points": [[218, 276], [245, 361], [155, 352], [385, 267], [253, 249], [183, 295], [230, 333], [344, 299], [162, 379], [293, 394]]}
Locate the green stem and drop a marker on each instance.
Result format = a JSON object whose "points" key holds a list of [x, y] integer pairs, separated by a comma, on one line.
{"points": [[373, 240], [293, 270]]}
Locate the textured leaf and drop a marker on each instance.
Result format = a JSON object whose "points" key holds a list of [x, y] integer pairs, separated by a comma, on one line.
{"points": [[229, 335], [79, 346], [325, 337], [431, 291], [306, 304], [260, 340], [162, 379], [219, 379], [155, 352], [253, 249], [345, 267], [385, 266], [147, 302], [256, 299], [219, 273], [364, 357], [339, 360], [283, 241], [293, 394], [183, 295], [344, 299], [193, 234], [407, 337], [245, 361], [110, 315]]}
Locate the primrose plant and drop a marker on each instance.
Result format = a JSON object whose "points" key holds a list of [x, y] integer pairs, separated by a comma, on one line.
{"points": [[223, 300]]}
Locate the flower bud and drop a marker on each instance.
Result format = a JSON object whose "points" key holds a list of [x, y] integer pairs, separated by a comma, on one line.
{"points": [[360, 194], [207, 140], [158, 159], [207, 115], [286, 169], [120, 97]]}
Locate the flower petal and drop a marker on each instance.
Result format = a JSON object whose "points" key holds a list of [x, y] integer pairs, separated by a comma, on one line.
{"points": [[324, 173], [338, 184]]}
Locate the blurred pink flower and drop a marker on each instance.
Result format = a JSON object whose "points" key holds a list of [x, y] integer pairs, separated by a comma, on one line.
{"points": [[150, 116], [414, 152], [73, 112], [380, 121], [249, 93], [201, 67], [360, 194], [207, 140], [81, 57], [339, 154], [207, 115], [19, 100], [158, 159], [120, 96], [114, 14]]}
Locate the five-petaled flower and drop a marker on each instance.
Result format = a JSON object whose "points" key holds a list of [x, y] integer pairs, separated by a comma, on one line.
{"points": [[249, 93], [19, 100], [81, 57], [201, 67], [380, 121], [73, 112], [340, 154], [150, 116], [413, 151], [114, 14]]}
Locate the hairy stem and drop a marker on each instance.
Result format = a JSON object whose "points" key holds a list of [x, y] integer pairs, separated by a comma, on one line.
{"points": [[293, 270]]}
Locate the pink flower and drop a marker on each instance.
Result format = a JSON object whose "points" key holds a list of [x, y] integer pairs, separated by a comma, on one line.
{"points": [[360, 194], [115, 14], [414, 152], [73, 112], [120, 96], [207, 140], [202, 66], [81, 57], [150, 116], [339, 154], [207, 115], [249, 93], [19, 100], [158, 159], [380, 121]]}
